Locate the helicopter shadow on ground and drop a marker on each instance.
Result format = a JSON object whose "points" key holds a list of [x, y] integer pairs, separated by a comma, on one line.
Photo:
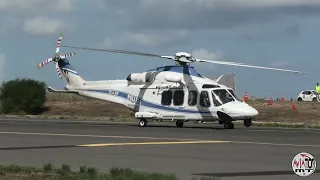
{"points": [[173, 126]]}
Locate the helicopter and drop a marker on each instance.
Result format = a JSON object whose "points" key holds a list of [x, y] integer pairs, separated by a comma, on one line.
{"points": [[176, 93]]}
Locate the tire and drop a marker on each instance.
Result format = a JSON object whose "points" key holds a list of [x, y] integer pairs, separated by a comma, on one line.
{"points": [[179, 124], [299, 99], [247, 123], [143, 122], [314, 99], [229, 125]]}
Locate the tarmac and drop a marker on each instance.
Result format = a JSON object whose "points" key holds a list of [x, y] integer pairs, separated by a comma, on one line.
{"points": [[201, 150]]}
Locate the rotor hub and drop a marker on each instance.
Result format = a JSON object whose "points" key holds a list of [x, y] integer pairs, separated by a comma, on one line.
{"points": [[184, 57]]}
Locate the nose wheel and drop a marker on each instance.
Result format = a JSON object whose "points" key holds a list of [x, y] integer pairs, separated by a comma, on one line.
{"points": [[247, 123]]}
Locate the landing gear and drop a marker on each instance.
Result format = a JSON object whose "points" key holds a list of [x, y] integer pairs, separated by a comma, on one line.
{"points": [[247, 123], [179, 124], [143, 122], [228, 125], [225, 120]]}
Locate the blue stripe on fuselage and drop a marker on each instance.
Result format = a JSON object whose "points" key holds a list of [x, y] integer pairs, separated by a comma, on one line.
{"points": [[69, 71], [146, 103]]}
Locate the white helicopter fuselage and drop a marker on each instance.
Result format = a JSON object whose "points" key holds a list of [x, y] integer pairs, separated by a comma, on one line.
{"points": [[165, 93]]}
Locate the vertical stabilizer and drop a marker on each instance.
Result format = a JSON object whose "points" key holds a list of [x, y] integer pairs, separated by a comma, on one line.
{"points": [[74, 80]]}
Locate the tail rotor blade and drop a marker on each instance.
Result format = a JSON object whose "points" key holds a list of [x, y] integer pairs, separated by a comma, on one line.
{"points": [[45, 62], [59, 43], [67, 55], [58, 70]]}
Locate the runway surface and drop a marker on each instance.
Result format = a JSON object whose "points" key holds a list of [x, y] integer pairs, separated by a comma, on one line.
{"points": [[241, 153]]}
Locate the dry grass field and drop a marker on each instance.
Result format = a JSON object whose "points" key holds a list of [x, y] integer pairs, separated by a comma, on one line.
{"points": [[73, 105]]}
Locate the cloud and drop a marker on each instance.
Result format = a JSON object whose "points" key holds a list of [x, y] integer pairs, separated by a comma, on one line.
{"points": [[43, 26], [209, 14], [156, 38], [145, 38], [271, 32], [203, 53], [22, 6], [2, 62]]}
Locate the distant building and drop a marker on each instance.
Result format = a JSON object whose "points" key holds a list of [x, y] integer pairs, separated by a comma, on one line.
{"points": [[227, 80]]}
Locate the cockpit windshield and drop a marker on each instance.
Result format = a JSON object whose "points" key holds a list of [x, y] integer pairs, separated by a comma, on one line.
{"points": [[222, 96]]}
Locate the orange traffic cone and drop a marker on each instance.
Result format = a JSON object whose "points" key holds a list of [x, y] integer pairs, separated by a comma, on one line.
{"points": [[282, 97], [270, 101], [293, 106], [246, 98]]}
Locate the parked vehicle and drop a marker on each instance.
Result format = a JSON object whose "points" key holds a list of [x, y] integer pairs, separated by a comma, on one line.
{"points": [[308, 95]]}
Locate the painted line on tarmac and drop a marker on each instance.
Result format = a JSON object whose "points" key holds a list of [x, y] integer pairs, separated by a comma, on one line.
{"points": [[108, 144], [257, 173], [286, 131], [96, 136], [195, 142], [151, 143], [275, 144]]}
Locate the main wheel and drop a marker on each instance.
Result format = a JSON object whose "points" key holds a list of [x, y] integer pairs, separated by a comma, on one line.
{"points": [[228, 125], [179, 124], [247, 123], [143, 122]]}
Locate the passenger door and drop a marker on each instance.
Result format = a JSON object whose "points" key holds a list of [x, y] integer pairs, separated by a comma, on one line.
{"points": [[307, 96]]}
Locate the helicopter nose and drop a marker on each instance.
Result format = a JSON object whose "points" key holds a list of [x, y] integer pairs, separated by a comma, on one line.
{"points": [[250, 111]]}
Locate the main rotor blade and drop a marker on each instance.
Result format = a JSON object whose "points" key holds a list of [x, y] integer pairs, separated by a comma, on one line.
{"points": [[59, 43], [44, 62], [67, 55], [245, 65], [117, 51]]}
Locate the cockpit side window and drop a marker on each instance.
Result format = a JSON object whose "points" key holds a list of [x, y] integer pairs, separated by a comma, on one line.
{"points": [[204, 99], [215, 100], [234, 94], [223, 96]]}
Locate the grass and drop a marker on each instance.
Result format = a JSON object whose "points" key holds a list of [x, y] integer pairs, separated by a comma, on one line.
{"points": [[49, 172], [64, 97]]}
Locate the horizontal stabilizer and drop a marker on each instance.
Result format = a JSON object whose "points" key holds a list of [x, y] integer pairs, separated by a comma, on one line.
{"points": [[50, 89]]}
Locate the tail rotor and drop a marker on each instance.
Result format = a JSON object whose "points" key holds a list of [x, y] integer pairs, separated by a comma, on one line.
{"points": [[57, 57]]}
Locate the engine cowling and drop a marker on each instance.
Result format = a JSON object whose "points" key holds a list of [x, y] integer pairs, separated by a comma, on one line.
{"points": [[138, 77], [173, 78]]}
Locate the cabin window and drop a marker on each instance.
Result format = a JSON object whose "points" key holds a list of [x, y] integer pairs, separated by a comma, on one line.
{"points": [[204, 99], [166, 98], [178, 97], [206, 86], [192, 100]]}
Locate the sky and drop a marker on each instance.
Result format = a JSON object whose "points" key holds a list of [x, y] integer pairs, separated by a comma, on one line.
{"points": [[273, 33]]}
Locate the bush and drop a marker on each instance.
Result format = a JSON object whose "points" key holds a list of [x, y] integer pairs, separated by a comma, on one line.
{"points": [[22, 96]]}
